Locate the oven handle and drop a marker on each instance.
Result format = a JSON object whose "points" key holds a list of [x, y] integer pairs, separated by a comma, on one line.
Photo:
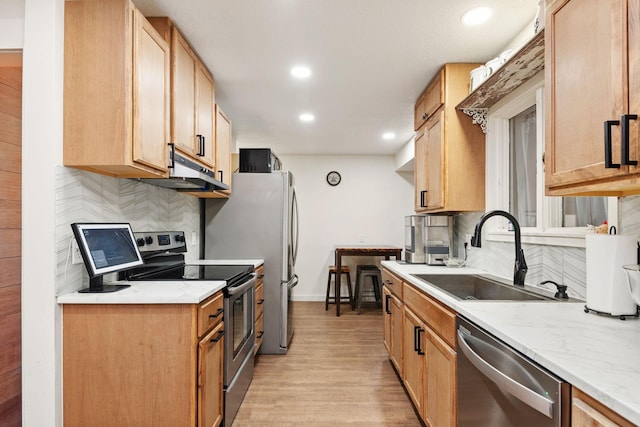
{"points": [[504, 382], [242, 288]]}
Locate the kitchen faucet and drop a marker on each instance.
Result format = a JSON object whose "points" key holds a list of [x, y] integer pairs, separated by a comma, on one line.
{"points": [[520, 268]]}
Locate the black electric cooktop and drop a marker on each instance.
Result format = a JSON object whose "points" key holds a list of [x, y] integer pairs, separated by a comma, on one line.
{"points": [[232, 274]]}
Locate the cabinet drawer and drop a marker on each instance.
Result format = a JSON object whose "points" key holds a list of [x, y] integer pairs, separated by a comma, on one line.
{"points": [[435, 315], [259, 299], [392, 282], [209, 313], [259, 333]]}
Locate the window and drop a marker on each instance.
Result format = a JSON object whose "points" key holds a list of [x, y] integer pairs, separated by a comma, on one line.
{"points": [[515, 176]]}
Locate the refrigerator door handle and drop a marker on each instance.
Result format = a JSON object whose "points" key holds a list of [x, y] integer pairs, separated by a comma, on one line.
{"points": [[294, 218]]}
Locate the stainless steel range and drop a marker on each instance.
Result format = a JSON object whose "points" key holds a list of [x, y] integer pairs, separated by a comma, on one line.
{"points": [[163, 253]]}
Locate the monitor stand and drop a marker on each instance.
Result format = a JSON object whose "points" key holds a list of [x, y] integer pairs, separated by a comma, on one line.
{"points": [[96, 286]]}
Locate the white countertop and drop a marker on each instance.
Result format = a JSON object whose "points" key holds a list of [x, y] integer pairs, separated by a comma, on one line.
{"points": [[159, 292], [151, 292], [600, 355]]}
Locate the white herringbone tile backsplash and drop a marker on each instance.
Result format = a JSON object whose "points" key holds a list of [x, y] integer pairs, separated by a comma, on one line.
{"points": [[87, 197]]}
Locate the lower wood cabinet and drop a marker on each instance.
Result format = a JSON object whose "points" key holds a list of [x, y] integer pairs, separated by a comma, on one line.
{"points": [[427, 338], [585, 411], [259, 304], [393, 321], [143, 365]]}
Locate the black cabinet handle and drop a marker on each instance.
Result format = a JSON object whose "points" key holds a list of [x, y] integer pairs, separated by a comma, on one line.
{"points": [[260, 334], [388, 282], [218, 337], [424, 116], [625, 139], [217, 313], [201, 140], [261, 302], [386, 304], [423, 204], [172, 161], [221, 179], [416, 344], [608, 163], [419, 350]]}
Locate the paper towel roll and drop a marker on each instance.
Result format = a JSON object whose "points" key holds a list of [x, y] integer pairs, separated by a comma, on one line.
{"points": [[607, 288]]}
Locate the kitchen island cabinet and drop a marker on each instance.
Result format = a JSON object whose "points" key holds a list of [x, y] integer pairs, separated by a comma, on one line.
{"points": [[592, 83], [449, 149], [143, 364], [116, 91]]}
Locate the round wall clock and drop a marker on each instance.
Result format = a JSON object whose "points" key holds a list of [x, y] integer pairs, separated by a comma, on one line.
{"points": [[333, 178]]}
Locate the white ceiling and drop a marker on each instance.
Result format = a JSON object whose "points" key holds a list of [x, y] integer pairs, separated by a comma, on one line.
{"points": [[370, 61]]}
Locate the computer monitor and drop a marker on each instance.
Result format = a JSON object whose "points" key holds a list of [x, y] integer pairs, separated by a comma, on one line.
{"points": [[106, 248]]}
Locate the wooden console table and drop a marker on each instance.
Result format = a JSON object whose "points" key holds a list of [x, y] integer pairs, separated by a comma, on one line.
{"points": [[361, 250]]}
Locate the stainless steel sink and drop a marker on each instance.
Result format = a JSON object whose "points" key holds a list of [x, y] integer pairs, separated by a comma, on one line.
{"points": [[477, 287]]}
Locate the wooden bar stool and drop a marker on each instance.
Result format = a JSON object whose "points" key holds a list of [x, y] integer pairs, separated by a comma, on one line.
{"points": [[362, 273], [332, 299]]}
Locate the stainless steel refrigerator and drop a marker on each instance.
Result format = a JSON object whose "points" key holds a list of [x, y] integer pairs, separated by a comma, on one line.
{"points": [[260, 220]]}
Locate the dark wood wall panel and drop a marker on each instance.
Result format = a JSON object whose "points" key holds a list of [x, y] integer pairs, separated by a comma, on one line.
{"points": [[10, 250]]}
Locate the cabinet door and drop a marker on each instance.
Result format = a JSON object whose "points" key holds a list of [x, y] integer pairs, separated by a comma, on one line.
{"points": [[396, 307], [434, 147], [434, 95], [183, 95], [205, 140], [223, 147], [586, 85], [386, 297], [210, 378], [634, 80], [150, 95], [441, 392], [414, 358], [420, 171]]}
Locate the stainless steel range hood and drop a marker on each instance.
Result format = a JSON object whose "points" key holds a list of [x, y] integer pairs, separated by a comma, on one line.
{"points": [[185, 175]]}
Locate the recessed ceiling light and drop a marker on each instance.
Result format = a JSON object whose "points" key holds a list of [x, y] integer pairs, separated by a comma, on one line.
{"points": [[306, 117], [476, 16], [388, 135], [301, 71]]}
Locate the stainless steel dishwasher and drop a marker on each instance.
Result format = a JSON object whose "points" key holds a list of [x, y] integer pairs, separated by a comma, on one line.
{"points": [[499, 387]]}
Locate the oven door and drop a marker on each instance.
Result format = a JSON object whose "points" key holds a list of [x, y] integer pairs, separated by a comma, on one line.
{"points": [[239, 326]]}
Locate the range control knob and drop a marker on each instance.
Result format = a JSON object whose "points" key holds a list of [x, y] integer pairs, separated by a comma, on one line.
{"points": [[140, 241], [179, 238], [148, 240]]}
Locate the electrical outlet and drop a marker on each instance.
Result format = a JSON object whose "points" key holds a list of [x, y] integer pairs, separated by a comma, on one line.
{"points": [[467, 239], [76, 257]]}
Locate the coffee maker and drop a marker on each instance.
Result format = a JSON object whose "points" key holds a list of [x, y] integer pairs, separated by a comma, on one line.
{"points": [[428, 238]]}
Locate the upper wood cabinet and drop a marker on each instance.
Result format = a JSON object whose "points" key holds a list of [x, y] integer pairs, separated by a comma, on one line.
{"points": [[430, 100], [223, 148], [449, 149], [592, 79], [116, 91], [192, 98]]}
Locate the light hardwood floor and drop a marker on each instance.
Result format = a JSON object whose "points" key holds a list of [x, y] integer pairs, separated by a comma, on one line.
{"points": [[336, 373]]}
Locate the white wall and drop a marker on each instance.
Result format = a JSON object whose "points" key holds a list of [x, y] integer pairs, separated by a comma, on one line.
{"points": [[367, 207], [11, 24], [41, 153]]}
